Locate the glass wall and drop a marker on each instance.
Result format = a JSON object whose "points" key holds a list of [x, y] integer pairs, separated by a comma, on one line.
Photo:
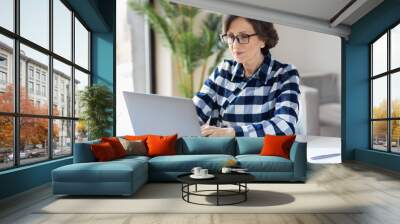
{"points": [[385, 97], [37, 85]]}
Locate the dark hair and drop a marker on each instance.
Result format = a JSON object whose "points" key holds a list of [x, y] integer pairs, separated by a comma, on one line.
{"points": [[265, 30]]}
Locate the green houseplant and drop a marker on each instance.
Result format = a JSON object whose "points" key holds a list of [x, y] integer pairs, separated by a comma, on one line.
{"points": [[192, 49], [96, 102]]}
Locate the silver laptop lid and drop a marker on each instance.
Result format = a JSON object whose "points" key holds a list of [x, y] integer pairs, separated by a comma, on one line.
{"points": [[161, 115]]}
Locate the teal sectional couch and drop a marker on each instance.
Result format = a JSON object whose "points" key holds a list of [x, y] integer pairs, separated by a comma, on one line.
{"points": [[125, 176]]}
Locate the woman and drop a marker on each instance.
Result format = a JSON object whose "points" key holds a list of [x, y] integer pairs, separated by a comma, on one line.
{"points": [[253, 94]]}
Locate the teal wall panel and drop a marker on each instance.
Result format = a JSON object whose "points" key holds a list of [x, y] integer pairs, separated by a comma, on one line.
{"points": [[356, 99], [24, 178]]}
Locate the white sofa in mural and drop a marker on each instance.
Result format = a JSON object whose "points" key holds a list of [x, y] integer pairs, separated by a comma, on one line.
{"points": [[322, 95]]}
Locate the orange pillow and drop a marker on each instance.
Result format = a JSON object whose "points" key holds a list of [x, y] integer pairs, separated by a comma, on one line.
{"points": [[136, 137], [103, 151], [116, 145], [277, 145], [161, 145]]}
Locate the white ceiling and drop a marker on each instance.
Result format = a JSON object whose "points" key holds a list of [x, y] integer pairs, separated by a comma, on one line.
{"points": [[320, 9], [314, 15]]}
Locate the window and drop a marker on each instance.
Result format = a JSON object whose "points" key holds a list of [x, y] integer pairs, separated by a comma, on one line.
{"points": [[3, 61], [385, 97], [37, 74], [38, 89], [7, 14], [62, 29], [43, 77], [62, 74], [44, 91], [3, 78], [34, 21], [81, 45], [3, 72], [30, 72], [54, 125], [30, 87]]}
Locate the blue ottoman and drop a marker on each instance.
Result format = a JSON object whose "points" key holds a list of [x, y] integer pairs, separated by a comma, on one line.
{"points": [[118, 177]]}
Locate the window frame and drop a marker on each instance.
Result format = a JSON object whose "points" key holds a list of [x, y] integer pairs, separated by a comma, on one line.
{"points": [[16, 114], [388, 74]]}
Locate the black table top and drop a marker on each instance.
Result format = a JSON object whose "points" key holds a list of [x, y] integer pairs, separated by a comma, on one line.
{"points": [[220, 178]]}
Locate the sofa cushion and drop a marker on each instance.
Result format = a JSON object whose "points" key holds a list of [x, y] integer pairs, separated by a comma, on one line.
{"points": [[103, 152], [185, 163], [257, 163], [249, 145], [111, 171], [116, 145], [134, 147], [206, 145], [277, 145], [83, 152], [159, 145]]}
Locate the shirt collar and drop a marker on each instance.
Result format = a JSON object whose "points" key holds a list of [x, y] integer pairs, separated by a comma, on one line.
{"points": [[261, 73]]}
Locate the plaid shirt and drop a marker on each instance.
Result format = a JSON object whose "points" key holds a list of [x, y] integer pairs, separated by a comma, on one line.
{"points": [[265, 103]]}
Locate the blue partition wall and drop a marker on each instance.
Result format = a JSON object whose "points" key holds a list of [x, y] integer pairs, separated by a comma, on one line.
{"points": [[356, 101], [100, 16]]}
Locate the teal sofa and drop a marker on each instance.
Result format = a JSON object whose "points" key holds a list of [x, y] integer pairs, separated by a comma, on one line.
{"points": [[125, 176]]}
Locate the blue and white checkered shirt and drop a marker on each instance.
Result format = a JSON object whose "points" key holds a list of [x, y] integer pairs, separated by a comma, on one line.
{"points": [[265, 103]]}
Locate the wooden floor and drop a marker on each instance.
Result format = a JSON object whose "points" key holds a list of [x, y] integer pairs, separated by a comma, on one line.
{"points": [[377, 188]]}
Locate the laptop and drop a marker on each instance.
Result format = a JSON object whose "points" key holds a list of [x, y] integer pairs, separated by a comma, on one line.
{"points": [[161, 115]]}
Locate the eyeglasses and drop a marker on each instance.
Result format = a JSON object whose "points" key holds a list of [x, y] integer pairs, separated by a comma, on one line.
{"points": [[241, 38]]}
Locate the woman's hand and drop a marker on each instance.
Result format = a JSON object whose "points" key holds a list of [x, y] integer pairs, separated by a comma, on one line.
{"points": [[212, 131]]}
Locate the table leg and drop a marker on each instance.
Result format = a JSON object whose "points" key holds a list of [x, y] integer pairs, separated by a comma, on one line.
{"points": [[196, 188], [245, 193], [217, 194]]}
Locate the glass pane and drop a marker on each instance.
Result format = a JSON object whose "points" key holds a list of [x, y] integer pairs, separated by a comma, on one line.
{"points": [[395, 94], [35, 21], [6, 74], [379, 97], [62, 29], [62, 89], [379, 55], [81, 45], [7, 14], [34, 82], [395, 132], [81, 131], [81, 81], [395, 47], [62, 138], [6, 142], [379, 135], [33, 139]]}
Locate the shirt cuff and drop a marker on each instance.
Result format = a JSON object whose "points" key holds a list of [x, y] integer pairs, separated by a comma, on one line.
{"points": [[238, 131]]}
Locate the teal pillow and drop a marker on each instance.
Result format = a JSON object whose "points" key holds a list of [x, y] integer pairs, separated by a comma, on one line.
{"points": [[249, 145], [206, 145]]}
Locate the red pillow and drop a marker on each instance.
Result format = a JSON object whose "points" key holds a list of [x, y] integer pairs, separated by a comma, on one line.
{"points": [[277, 145], [161, 145], [103, 151], [116, 145]]}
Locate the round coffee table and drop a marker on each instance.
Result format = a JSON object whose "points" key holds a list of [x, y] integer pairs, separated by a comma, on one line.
{"points": [[238, 179]]}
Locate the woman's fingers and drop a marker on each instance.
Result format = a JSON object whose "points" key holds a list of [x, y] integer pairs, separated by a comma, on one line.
{"points": [[207, 131]]}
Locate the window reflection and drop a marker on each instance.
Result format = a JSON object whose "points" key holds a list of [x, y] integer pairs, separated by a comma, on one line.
{"points": [[6, 74], [32, 60]]}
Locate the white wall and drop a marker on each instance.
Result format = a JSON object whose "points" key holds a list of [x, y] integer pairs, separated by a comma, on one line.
{"points": [[309, 51]]}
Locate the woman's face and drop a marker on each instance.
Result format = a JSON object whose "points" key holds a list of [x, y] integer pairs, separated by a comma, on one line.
{"points": [[244, 53]]}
